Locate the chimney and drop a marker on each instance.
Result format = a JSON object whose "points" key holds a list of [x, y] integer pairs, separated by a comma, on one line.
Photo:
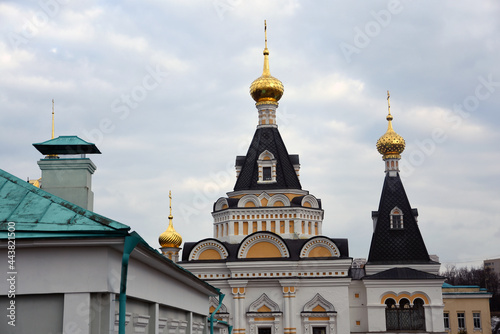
{"points": [[66, 171]]}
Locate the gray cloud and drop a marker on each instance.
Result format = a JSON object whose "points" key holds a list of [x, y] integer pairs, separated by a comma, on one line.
{"points": [[183, 131]]}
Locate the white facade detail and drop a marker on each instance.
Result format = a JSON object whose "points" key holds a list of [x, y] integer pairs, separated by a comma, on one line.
{"points": [[290, 222]]}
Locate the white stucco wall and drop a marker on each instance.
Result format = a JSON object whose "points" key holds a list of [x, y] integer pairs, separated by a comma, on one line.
{"points": [[80, 279]]}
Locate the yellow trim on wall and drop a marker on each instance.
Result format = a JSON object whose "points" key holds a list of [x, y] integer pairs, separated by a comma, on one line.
{"points": [[319, 308], [320, 251], [263, 249], [398, 297], [209, 254], [264, 308]]}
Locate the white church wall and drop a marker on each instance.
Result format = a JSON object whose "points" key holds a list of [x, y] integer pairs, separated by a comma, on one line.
{"points": [[357, 304], [334, 290]]}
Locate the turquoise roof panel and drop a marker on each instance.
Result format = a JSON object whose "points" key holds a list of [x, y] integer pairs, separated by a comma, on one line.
{"points": [[57, 214], [37, 211], [31, 208], [66, 145], [10, 196]]}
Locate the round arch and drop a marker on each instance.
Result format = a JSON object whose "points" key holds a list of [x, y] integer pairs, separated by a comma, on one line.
{"points": [[248, 199], [319, 247], [262, 245], [208, 250]]}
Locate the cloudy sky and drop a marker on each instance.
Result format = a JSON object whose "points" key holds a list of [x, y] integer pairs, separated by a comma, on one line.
{"points": [[161, 87]]}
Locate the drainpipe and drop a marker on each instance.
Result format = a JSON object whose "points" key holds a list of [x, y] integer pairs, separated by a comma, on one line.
{"points": [[230, 328], [130, 242]]}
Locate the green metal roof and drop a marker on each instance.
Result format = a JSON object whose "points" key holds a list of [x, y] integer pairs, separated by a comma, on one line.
{"points": [[37, 213], [66, 145]]}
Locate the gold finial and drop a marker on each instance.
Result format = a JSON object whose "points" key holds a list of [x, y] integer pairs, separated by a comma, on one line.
{"points": [[266, 88], [52, 119], [266, 70], [53, 156], [170, 217], [170, 238], [389, 102], [265, 33], [389, 116]]}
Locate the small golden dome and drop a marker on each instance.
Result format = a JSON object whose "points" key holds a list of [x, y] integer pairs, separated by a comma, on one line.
{"points": [[266, 88], [390, 145], [170, 238]]}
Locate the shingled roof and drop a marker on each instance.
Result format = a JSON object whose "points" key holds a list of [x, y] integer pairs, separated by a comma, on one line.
{"points": [[267, 138], [396, 246], [37, 213]]}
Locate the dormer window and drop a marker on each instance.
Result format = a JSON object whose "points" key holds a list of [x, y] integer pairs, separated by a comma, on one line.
{"points": [[267, 167], [396, 219], [266, 174]]}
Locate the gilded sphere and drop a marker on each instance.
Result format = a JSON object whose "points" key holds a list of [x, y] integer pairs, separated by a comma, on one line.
{"points": [[391, 144], [266, 88], [170, 238]]}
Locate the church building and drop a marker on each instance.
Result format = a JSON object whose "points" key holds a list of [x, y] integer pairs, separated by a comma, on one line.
{"points": [[280, 274]]}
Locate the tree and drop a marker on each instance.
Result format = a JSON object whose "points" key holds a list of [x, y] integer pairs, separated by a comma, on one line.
{"points": [[483, 277]]}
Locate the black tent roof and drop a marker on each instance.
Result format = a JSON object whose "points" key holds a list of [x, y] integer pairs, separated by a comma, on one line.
{"points": [[267, 138], [396, 246]]}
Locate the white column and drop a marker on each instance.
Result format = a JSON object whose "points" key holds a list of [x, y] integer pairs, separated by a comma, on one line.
{"points": [[289, 290], [76, 314], [238, 290]]}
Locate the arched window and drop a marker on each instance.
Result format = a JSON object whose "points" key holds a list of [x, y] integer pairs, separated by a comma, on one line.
{"points": [[405, 316], [267, 167], [396, 218], [418, 314], [391, 315]]}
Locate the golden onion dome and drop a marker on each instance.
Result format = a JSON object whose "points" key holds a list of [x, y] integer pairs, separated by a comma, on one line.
{"points": [[266, 88], [170, 238], [390, 145]]}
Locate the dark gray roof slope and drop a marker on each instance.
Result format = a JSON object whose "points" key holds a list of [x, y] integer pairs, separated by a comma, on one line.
{"points": [[403, 274], [267, 139], [397, 246]]}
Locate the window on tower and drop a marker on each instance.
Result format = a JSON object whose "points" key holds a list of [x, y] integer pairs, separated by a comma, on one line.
{"points": [[266, 174], [396, 219], [267, 167]]}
